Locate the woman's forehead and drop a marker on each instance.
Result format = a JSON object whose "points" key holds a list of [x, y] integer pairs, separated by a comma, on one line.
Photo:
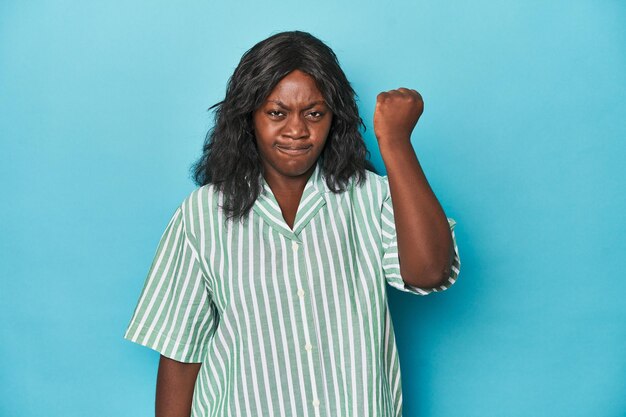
{"points": [[297, 86]]}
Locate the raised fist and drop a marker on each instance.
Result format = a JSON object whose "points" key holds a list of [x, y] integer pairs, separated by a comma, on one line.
{"points": [[396, 114]]}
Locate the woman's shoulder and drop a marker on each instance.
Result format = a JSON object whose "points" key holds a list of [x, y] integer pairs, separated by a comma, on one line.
{"points": [[370, 192], [196, 207], [374, 183], [376, 177], [199, 197]]}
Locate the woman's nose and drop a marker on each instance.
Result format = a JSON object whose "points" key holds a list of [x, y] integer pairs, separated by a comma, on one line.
{"points": [[296, 127]]}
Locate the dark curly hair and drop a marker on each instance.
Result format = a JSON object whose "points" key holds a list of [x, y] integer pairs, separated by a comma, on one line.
{"points": [[230, 159]]}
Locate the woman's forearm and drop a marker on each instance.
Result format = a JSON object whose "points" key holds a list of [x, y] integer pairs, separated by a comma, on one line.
{"points": [[174, 388], [425, 247]]}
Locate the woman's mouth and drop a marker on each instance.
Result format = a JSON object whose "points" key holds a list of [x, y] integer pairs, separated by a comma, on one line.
{"points": [[293, 151]]}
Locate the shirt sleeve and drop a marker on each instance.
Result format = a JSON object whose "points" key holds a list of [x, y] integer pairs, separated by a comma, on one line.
{"points": [[175, 314], [391, 263]]}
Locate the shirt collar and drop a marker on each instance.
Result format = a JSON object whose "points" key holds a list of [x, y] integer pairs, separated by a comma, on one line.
{"points": [[316, 180], [313, 198]]}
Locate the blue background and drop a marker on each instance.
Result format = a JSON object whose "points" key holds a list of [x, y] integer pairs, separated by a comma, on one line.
{"points": [[103, 109]]}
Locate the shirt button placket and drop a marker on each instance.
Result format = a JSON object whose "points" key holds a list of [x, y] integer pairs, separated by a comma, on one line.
{"points": [[308, 346]]}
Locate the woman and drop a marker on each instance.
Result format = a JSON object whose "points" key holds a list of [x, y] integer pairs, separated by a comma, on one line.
{"points": [[267, 293]]}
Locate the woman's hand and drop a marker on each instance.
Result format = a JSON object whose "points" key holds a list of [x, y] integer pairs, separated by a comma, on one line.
{"points": [[396, 114]]}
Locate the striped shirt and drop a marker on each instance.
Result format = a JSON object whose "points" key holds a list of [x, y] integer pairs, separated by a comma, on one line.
{"points": [[285, 322]]}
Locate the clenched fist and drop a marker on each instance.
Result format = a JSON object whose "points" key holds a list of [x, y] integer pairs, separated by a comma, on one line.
{"points": [[396, 114]]}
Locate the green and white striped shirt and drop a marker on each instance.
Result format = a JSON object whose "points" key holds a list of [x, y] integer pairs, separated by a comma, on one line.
{"points": [[285, 322]]}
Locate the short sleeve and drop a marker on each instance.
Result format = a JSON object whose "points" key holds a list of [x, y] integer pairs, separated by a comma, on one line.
{"points": [[391, 263], [175, 314]]}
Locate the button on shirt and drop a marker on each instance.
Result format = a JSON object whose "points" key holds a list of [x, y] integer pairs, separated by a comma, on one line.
{"points": [[285, 322]]}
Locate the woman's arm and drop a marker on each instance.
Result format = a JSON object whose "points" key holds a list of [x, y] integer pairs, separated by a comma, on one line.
{"points": [[174, 388], [425, 248]]}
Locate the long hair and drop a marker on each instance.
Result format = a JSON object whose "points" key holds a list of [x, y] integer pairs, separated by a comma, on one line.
{"points": [[230, 159]]}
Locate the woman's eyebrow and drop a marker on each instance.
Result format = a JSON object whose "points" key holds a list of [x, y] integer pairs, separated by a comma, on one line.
{"points": [[308, 106]]}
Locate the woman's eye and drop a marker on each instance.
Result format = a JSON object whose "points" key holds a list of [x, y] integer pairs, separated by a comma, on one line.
{"points": [[316, 114], [275, 113]]}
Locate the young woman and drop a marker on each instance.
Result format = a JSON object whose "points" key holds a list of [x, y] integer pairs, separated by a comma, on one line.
{"points": [[267, 293]]}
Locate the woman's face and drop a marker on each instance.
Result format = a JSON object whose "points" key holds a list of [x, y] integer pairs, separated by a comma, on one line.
{"points": [[291, 126]]}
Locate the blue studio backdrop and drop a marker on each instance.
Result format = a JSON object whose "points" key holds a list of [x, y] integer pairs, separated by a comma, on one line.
{"points": [[103, 108]]}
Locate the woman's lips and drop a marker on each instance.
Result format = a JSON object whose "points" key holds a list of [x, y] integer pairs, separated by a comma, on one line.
{"points": [[293, 151]]}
